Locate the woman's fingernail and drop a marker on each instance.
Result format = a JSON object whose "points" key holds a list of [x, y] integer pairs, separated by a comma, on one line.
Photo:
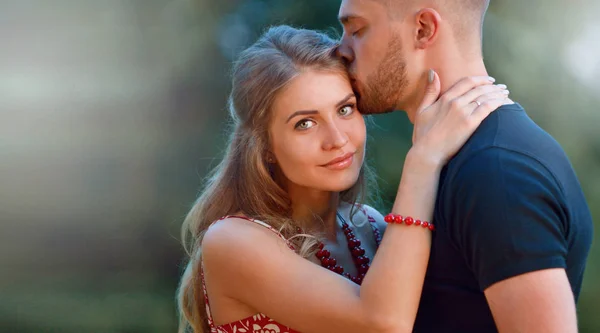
{"points": [[501, 86], [506, 92], [431, 76], [491, 79]]}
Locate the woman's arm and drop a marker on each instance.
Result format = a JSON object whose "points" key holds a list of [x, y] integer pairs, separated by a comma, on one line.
{"points": [[406, 248]]}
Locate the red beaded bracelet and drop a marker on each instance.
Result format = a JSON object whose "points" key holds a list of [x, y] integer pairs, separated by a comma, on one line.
{"points": [[398, 219]]}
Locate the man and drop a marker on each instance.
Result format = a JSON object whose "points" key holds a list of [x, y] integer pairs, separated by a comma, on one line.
{"points": [[513, 227]]}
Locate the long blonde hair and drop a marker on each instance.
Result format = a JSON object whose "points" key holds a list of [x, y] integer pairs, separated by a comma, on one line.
{"points": [[243, 181]]}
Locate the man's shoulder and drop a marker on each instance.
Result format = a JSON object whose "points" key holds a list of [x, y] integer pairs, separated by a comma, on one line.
{"points": [[510, 132]]}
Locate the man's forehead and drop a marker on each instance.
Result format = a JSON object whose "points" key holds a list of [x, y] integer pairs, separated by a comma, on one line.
{"points": [[359, 8], [353, 8]]}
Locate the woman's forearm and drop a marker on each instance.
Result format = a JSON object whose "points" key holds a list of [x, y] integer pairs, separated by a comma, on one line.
{"points": [[392, 289]]}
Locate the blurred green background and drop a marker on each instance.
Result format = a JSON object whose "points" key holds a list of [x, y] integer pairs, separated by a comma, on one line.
{"points": [[111, 113]]}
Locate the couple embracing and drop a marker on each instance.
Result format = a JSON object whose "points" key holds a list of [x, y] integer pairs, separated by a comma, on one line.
{"points": [[489, 230]]}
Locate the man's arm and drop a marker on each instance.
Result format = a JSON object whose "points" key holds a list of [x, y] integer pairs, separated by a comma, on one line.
{"points": [[540, 301], [509, 222]]}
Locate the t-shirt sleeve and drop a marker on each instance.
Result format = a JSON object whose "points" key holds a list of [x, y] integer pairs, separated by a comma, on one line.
{"points": [[506, 216]]}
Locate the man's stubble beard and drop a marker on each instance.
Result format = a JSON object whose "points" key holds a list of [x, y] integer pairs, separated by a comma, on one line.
{"points": [[384, 89]]}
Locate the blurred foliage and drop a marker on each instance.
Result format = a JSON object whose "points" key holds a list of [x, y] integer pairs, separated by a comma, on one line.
{"points": [[113, 111]]}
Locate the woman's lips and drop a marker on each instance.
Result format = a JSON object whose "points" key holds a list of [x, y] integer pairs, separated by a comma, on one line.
{"points": [[340, 163]]}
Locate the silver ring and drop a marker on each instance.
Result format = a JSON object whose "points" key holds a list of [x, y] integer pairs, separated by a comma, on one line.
{"points": [[477, 102]]}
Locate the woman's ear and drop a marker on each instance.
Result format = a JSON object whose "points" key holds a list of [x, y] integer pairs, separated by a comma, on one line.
{"points": [[270, 157]]}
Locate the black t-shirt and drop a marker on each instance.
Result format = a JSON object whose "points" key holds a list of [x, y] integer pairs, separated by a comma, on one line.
{"points": [[508, 203]]}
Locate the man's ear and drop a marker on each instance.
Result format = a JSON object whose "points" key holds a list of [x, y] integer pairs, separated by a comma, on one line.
{"points": [[427, 27]]}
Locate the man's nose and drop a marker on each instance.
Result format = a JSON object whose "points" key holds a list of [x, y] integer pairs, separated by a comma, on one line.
{"points": [[345, 53]]}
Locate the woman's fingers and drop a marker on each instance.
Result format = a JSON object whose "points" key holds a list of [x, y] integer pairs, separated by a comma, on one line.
{"points": [[486, 107], [479, 93], [473, 104], [465, 85], [432, 91], [493, 95]]}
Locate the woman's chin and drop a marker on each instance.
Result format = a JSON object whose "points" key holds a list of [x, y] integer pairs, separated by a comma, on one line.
{"points": [[341, 185]]}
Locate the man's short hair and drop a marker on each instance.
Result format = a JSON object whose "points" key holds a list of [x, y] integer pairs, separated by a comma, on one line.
{"points": [[465, 16]]}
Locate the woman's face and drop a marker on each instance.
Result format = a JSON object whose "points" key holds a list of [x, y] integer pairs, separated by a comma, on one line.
{"points": [[317, 134]]}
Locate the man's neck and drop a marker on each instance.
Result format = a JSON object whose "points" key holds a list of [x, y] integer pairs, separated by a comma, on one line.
{"points": [[450, 73], [450, 70]]}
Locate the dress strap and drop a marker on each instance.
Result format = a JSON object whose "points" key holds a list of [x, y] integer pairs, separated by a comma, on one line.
{"points": [[275, 231], [211, 323]]}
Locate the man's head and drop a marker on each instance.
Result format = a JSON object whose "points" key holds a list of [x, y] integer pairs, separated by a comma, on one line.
{"points": [[389, 45]]}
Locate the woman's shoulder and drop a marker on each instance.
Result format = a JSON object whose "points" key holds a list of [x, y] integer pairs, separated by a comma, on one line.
{"points": [[237, 234], [238, 254]]}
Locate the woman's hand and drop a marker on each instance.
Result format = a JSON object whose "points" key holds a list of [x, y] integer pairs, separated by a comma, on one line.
{"points": [[442, 126]]}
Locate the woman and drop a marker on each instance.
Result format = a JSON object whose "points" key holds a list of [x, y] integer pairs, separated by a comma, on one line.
{"points": [[287, 196]]}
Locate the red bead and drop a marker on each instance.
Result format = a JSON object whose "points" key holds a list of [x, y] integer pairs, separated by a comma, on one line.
{"points": [[389, 218], [321, 246], [425, 224], [332, 262], [431, 227], [418, 222], [365, 260], [362, 252], [398, 219], [326, 254], [363, 269], [339, 269], [320, 254], [409, 220], [356, 252]]}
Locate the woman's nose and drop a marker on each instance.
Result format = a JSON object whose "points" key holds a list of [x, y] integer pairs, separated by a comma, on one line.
{"points": [[336, 138]]}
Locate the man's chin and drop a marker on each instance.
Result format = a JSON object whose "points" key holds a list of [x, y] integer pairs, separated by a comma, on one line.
{"points": [[369, 109], [369, 103]]}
